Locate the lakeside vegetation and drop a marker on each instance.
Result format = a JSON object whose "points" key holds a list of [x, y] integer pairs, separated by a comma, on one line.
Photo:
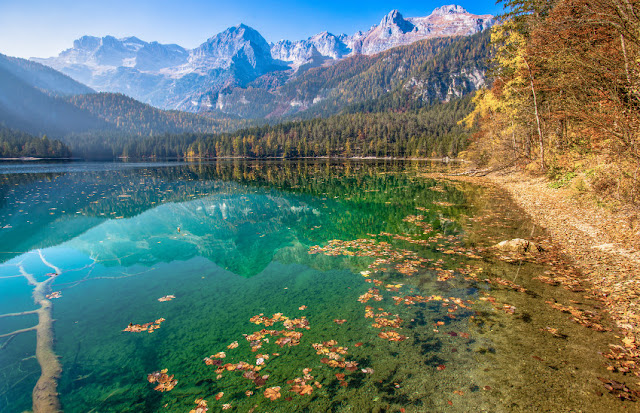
{"points": [[430, 131], [565, 97], [15, 144]]}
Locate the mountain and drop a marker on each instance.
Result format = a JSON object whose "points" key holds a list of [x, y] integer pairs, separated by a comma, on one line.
{"points": [[171, 77], [37, 100], [92, 57], [42, 77], [239, 48], [167, 76], [394, 30], [25, 107], [311, 52], [424, 72]]}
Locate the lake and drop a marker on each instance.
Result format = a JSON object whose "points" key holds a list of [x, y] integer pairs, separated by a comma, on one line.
{"points": [[274, 286]]}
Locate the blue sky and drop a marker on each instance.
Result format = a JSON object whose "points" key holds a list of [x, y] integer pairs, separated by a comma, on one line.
{"points": [[43, 28]]}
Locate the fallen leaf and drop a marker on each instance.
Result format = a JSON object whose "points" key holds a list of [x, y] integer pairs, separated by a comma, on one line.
{"points": [[272, 393]]}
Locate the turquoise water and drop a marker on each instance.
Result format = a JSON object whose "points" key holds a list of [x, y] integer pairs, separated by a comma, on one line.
{"points": [[232, 240]]}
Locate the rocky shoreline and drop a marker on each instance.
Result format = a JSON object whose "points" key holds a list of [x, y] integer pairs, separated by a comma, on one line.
{"points": [[603, 243], [597, 240]]}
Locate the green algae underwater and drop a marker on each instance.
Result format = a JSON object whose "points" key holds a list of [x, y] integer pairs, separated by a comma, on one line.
{"points": [[311, 286]]}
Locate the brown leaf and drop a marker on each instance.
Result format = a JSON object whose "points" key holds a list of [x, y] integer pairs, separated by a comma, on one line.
{"points": [[272, 393]]}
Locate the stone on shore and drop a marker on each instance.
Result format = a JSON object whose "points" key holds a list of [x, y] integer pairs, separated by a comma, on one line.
{"points": [[518, 245]]}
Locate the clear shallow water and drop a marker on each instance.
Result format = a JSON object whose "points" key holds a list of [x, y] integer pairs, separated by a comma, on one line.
{"points": [[232, 240]]}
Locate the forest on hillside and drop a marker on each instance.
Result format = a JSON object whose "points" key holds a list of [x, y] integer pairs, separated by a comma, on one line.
{"points": [[416, 75], [430, 131], [565, 97], [15, 144]]}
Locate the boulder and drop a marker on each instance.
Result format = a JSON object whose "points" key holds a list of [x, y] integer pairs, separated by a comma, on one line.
{"points": [[518, 245]]}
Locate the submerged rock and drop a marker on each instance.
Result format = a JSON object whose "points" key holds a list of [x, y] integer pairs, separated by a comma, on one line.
{"points": [[518, 245]]}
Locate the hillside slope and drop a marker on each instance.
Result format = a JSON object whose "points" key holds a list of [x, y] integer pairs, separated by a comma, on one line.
{"points": [[42, 77], [426, 71]]}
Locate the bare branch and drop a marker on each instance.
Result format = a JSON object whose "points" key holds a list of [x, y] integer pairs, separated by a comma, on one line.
{"points": [[15, 333], [19, 314]]}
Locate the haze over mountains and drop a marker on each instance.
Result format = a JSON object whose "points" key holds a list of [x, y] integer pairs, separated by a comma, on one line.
{"points": [[386, 84], [207, 78]]}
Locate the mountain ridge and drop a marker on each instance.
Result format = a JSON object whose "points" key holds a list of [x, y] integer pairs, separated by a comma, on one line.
{"points": [[172, 77]]}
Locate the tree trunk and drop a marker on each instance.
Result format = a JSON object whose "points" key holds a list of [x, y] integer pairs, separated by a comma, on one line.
{"points": [[535, 106]]}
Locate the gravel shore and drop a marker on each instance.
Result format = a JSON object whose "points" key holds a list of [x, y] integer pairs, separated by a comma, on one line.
{"points": [[599, 241], [602, 243]]}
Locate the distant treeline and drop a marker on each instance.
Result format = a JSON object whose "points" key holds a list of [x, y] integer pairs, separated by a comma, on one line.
{"points": [[430, 131], [14, 144]]}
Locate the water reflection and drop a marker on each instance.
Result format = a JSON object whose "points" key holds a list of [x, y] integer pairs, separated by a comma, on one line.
{"points": [[237, 202]]}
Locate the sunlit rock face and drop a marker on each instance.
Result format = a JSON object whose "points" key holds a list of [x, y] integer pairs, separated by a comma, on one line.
{"points": [[395, 30]]}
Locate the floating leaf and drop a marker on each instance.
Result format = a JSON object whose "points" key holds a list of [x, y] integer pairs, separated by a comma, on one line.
{"points": [[165, 382], [53, 295], [201, 408], [149, 327], [272, 393]]}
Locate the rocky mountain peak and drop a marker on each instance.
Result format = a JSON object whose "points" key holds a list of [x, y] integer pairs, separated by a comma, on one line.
{"points": [[449, 9], [240, 48], [87, 43], [322, 35], [231, 40], [395, 20]]}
